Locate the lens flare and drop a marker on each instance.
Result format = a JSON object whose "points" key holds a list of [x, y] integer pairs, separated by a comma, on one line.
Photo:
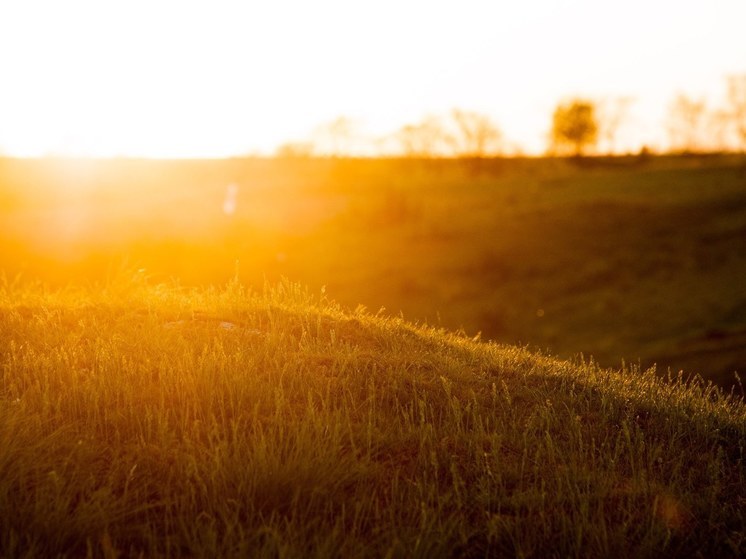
{"points": [[229, 203]]}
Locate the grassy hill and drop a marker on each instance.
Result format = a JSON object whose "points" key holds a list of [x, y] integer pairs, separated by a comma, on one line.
{"points": [[147, 420], [621, 259]]}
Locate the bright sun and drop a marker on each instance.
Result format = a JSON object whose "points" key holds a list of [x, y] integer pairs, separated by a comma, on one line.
{"points": [[218, 78]]}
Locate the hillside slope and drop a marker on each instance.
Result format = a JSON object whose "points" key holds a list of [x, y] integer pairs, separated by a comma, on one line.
{"points": [[636, 260], [144, 420]]}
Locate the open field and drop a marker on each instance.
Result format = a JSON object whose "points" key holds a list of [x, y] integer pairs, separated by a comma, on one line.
{"points": [[621, 259], [142, 420]]}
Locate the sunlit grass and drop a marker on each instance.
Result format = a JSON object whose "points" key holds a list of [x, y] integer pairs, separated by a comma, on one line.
{"points": [[634, 259], [149, 420]]}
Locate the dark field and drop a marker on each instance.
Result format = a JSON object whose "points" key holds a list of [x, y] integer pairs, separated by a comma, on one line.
{"points": [[618, 259]]}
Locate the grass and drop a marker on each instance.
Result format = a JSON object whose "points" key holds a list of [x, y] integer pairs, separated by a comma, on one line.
{"points": [[141, 419], [628, 260]]}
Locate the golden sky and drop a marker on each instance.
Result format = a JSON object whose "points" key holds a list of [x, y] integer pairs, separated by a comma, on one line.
{"points": [[217, 77]]}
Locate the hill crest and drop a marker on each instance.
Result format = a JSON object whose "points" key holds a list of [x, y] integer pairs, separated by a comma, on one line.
{"points": [[136, 421]]}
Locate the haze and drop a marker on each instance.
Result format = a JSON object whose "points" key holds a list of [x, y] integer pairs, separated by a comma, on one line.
{"points": [[220, 78]]}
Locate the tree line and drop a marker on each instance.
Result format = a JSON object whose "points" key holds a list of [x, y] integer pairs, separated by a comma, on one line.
{"points": [[578, 126]]}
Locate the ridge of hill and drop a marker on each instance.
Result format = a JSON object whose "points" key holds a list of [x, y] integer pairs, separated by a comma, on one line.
{"points": [[141, 420], [635, 259]]}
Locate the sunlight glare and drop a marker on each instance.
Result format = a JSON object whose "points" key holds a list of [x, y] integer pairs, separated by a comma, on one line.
{"points": [[181, 79], [229, 204]]}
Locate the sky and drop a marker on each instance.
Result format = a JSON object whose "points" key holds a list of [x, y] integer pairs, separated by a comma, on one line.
{"points": [[219, 78]]}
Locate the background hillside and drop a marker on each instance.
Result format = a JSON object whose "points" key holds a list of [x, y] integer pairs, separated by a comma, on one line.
{"points": [[631, 259]]}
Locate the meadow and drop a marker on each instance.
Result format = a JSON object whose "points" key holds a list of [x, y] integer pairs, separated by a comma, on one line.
{"points": [[627, 260], [373, 358], [142, 419]]}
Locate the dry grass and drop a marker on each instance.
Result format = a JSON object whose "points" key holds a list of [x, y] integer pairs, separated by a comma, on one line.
{"points": [[144, 420]]}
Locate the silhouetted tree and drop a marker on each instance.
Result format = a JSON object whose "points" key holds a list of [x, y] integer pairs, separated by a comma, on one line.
{"points": [[612, 113], [687, 124], [425, 139], [736, 110], [294, 150], [336, 138], [475, 135], [718, 127], [574, 126]]}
